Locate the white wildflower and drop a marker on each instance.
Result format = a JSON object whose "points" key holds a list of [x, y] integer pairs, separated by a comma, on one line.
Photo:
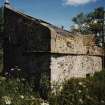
{"points": [[43, 103], [21, 96], [32, 97], [6, 73], [18, 69], [84, 86], [102, 101], [12, 69], [23, 79], [16, 66], [2, 78], [79, 91], [81, 101], [80, 83], [88, 97], [18, 80], [7, 100], [61, 87]]}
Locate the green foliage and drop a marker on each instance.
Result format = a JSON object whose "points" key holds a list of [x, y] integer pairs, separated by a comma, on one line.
{"points": [[18, 88], [91, 23], [81, 21], [17, 92], [80, 18], [1, 60], [44, 88], [1, 41], [89, 91]]}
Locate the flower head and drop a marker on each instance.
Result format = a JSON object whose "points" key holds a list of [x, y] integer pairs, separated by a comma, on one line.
{"points": [[7, 100], [102, 101], [80, 83], [18, 69], [23, 79], [79, 91], [12, 69], [6, 73], [32, 97], [21, 96], [81, 101]]}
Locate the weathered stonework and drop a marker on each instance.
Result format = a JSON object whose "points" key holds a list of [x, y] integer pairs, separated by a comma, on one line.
{"points": [[64, 67]]}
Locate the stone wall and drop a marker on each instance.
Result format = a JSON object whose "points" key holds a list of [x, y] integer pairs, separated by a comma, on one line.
{"points": [[24, 37], [74, 56], [64, 67], [75, 45]]}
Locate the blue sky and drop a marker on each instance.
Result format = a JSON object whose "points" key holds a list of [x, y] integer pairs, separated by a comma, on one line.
{"points": [[58, 12]]}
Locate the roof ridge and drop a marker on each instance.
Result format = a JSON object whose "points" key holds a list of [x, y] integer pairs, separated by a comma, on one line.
{"points": [[58, 29]]}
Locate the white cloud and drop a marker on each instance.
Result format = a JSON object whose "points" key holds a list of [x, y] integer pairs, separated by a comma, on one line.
{"points": [[77, 2]]}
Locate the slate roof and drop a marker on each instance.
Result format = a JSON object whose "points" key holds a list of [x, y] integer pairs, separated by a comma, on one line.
{"points": [[59, 30]]}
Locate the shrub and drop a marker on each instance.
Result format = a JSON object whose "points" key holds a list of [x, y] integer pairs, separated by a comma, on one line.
{"points": [[17, 92], [19, 88]]}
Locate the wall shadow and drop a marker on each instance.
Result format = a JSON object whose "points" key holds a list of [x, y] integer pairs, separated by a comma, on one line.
{"points": [[27, 46]]}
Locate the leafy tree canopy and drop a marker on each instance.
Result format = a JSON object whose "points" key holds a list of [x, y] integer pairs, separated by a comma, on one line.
{"points": [[91, 23]]}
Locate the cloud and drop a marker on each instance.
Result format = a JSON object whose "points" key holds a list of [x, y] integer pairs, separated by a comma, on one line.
{"points": [[77, 2]]}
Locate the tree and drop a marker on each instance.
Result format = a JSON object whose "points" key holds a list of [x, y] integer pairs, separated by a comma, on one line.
{"points": [[80, 22], [96, 24], [92, 23]]}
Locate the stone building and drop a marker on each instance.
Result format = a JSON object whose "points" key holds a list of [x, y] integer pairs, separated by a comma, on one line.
{"points": [[40, 48]]}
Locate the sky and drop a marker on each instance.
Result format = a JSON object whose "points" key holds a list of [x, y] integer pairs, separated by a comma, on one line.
{"points": [[57, 12]]}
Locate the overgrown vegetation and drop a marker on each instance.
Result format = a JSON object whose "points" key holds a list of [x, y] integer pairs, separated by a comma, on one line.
{"points": [[91, 23], [17, 92], [89, 91], [17, 89]]}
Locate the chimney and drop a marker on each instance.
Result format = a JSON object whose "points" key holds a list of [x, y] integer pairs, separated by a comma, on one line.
{"points": [[7, 2]]}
